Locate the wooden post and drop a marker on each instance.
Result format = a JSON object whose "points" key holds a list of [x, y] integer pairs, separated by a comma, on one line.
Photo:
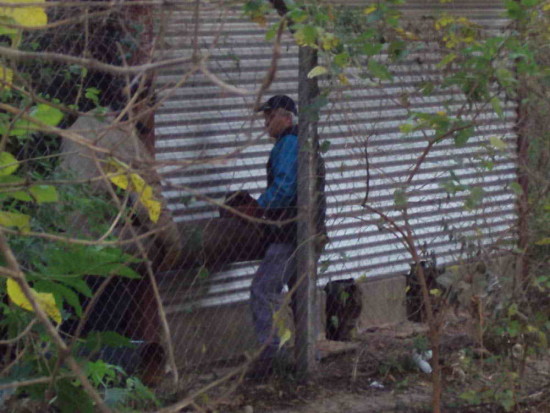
{"points": [[306, 294]]}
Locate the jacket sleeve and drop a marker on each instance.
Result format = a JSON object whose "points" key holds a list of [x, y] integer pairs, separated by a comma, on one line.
{"points": [[284, 164]]}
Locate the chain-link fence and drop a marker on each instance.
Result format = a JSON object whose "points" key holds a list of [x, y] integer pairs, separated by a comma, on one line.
{"points": [[142, 161]]}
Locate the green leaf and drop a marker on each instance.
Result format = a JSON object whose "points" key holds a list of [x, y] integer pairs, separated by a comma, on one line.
{"points": [[43, 113], [513, 328], [497, 143], [516, 188], [379, 70], [20, 196], [8, 164], [15, 219], [44, 193], [446, 60], [397, 50], [306, 36], [514, 9], [7, 31], [406, 128], [93, 93], [341, 59], [62, 292], [89, 260], [371, 49], [72, 398], [284, 337], [270, 34], [530, 3], [497, 107], [20, 128], [77, 284], [297, 15], [427, 88], [317, 71], [100, 373], [462, 136], [47, 114], [543, 241], [325, 146], [400, 198], [504, 76], [475, 198], [98, 339]]}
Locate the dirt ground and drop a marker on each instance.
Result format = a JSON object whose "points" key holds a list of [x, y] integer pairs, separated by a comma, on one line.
{"points": [[376, 373]]}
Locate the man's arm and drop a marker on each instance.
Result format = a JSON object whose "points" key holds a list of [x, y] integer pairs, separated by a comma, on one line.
{"points": [[284, 164]]}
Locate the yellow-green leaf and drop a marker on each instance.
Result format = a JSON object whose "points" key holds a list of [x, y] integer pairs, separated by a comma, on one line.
{"points": [[406, 34], [283, 332], [118, 173], [6, 77], [121, 177], [516, 188], [46, 301], [284, 337], [370, 9], [44, 193], [15, 219], [47, 114], [329, 41], [406, 127], [446, 60], [343, 79], [436, 292], [30, 16], [146, 197], [8, 164], [20, 195], [543, 241], [306, 36], [317, 71], [497, 143]]}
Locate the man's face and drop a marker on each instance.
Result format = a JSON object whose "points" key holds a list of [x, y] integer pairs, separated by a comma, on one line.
{"points": [[276, 121]]}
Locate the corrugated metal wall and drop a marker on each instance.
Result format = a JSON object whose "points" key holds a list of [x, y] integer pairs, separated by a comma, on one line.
{"points": [[211, 143]]}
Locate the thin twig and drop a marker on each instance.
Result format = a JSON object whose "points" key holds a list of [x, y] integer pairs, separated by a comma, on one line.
{"points": [[31, 382], [224, 85], [90, 307], [20, 335], [89, 63]]}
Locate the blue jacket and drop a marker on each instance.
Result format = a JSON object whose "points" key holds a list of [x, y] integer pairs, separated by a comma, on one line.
{"points": [[280, 197]]}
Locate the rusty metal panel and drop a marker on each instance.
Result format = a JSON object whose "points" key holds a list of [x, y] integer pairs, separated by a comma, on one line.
{"points": [[210, 142]]}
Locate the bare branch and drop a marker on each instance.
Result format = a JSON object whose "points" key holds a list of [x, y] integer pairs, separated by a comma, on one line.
{"points": [[30, 382], [26, 331], [92, 64]]}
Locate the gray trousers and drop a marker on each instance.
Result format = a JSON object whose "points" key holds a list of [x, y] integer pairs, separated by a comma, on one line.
{"points": [[276, 269]]}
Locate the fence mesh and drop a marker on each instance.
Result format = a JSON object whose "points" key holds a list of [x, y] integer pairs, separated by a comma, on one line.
{"points": [[137, 142]]}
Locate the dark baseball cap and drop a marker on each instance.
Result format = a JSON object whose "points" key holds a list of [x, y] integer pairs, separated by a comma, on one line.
{"points": [[279, 101]]}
